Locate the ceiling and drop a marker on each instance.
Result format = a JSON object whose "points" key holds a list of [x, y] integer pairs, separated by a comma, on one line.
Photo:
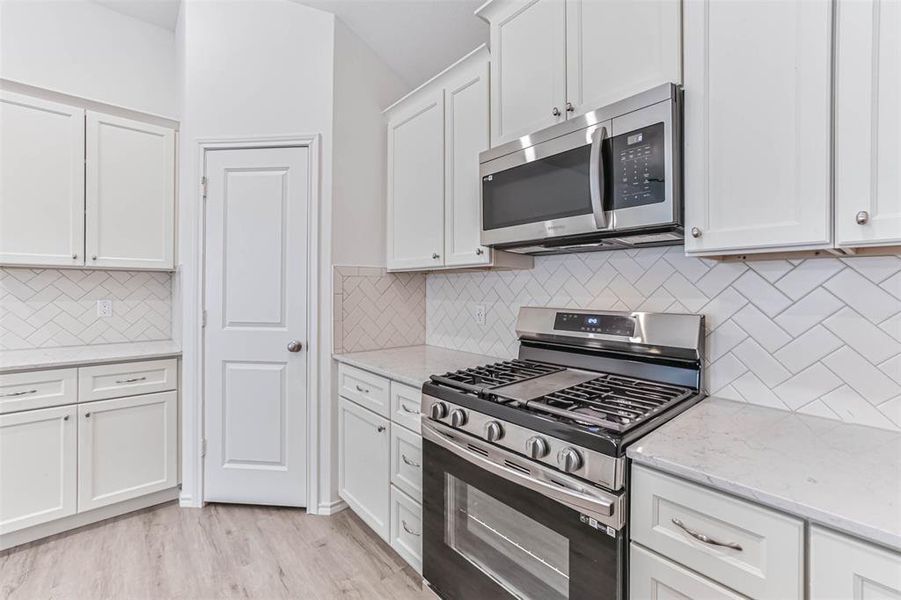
{"points": [[163, 13], [416, 38]]}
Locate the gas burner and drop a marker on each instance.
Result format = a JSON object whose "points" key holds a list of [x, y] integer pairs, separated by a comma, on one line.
{"points": [[481, 379]]}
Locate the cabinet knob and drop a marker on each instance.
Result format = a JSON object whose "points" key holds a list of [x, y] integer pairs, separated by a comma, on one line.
{"points": [[479, 252], [556, 112], [381, 428], [66, 418], [94, 257], [75, 256], [570, 107], [435, 256], [695, 232], [863, 217], [87, 415]]}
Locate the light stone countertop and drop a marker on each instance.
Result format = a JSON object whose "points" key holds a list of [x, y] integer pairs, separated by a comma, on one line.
{"points": [[847, 477], [68, 356], [413, 364]]}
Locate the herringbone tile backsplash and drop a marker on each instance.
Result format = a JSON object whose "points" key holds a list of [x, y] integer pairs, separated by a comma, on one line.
{"points": [[820, 336], [43, 308], [374, 309]]}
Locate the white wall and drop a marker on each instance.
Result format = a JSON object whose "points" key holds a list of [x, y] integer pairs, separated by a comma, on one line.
{"points": [[81, 48], [247, 69], [364, 86]]}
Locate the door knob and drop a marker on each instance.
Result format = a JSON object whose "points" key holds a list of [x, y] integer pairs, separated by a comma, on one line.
{"points": [[863, 217], [294, 346]]}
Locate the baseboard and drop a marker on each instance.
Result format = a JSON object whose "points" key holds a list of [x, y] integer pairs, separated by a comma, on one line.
{"points": [[30, 534], [330, 508]]}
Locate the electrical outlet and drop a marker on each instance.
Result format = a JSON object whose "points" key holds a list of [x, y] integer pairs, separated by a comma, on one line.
{"points": [[479, 314], [104, 308]]}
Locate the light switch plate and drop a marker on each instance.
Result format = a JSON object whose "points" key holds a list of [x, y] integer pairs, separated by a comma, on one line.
{"points": [[104, 308]]}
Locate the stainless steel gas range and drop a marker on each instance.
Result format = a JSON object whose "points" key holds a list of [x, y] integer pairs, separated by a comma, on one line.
{"points": [[525, 482]]}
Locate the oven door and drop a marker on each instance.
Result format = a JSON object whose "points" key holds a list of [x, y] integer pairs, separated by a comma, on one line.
{"points": [[552, 189], [490, 530]]}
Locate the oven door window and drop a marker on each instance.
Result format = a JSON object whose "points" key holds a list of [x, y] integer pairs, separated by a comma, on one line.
{"points": [[523, 556], [549, 188]]}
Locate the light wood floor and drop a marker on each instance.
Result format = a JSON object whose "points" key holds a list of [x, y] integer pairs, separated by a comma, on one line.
{"points": [[221, 551]]}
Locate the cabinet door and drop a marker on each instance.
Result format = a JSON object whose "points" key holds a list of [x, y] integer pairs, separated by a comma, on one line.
{"points": [[652, 576], [363, 464], [466, 134], [617, 48], [41, 182], [130, 202], [842, 568], [416, 184], [37, 467], [868, 123], [127, 448], [757, 125], [528, 68]]}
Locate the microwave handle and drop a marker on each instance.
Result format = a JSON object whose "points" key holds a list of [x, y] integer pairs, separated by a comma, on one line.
{"points": [[596, 177]]}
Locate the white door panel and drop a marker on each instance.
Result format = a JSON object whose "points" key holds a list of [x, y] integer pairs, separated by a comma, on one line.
{"points": [[41, 182], [256, 301], [130, 198], [868, 123]]}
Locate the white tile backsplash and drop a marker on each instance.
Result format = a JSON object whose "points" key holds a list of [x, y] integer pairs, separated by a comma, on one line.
{"points": [[819, 335], [46, 308]]}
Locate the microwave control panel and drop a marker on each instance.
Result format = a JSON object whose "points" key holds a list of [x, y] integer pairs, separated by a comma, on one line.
{"points": [[639, 167]]}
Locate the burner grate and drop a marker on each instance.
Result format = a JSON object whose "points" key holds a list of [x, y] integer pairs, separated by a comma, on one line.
{"points": [[480, 379], [611, 401]]}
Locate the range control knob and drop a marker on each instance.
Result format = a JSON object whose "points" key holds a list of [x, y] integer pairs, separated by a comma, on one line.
{"points": [[458, 418], [493, 431], [537, 447], [569, 460], [439, 411]]}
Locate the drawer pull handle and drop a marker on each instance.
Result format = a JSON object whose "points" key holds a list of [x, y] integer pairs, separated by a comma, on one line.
{"points": [[703, 538], [362, 390], [22, 393], [412, 411], [408, 461], [131, 380], [407, 528]]}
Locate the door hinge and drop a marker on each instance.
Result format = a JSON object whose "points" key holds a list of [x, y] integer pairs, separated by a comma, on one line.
{"points": [[203, 318], [203, 182], [203, 448]]}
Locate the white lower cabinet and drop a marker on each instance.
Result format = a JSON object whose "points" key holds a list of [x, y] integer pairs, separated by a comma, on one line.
{"points": [[126, 448], [406, 528], [380, 461], [652, 577], [363, 464], [37, 467], [842, 568]]}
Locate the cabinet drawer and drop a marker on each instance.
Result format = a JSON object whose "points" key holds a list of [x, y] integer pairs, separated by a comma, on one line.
{"points": [[38, 389], [669, 514], [364, 388], [126, 379], [405, 404], [406, 461], [652, 576], [406, 528]]}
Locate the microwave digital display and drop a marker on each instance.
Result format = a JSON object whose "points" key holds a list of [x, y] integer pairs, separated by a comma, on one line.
{"points": [[638, 167]]}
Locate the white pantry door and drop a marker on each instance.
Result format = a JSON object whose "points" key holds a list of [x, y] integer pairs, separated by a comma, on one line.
{"points": [[257, 212]]}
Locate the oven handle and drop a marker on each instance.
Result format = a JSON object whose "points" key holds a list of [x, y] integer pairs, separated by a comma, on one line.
{"points": [[599, 506], [596, 184]]}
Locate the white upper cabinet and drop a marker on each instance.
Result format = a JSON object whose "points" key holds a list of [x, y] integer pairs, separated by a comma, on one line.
{"points": [[617, 48], [41, 182], [757, 125], [842, 568], [416, 183], [465, 135], [130, 200], [868, 123], [528, 66]]}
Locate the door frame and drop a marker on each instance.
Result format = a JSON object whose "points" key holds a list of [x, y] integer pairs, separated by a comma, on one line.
{"points": [[194, 436]]}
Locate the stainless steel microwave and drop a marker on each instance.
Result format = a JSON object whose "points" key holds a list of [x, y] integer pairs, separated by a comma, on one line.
{"points": [[610, 178]]}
